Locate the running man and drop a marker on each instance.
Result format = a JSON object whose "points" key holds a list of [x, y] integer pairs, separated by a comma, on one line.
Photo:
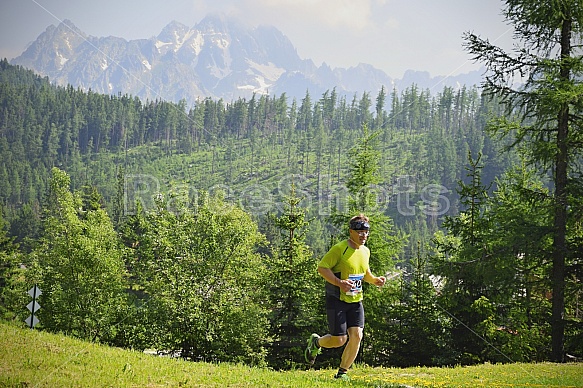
{"points": [[345, 267]]}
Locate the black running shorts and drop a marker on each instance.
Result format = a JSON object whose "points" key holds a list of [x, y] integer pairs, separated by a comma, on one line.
{"points": [[342, 315]]}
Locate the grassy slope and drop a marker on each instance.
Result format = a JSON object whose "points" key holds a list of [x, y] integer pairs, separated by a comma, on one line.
{"points": [[30, 358]]}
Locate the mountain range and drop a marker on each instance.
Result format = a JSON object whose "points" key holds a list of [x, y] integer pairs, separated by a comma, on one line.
{"points": [[219, 57]]}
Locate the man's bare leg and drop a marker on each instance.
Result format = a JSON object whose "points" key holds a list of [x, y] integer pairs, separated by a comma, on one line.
{"points": [[332, 341], [352, 346]]}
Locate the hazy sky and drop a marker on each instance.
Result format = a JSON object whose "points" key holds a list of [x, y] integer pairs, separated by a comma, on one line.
{"points": [[392, 35]]}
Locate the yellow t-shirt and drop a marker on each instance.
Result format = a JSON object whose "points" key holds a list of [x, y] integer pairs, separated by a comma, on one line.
{"points": [[346, 263]]}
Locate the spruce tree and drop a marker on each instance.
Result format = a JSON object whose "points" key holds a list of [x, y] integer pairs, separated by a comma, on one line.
{"points": [[292, 285], [367, 196]]}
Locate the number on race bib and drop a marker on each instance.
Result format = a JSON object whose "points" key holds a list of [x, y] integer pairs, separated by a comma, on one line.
{"points": [[356, 284]]}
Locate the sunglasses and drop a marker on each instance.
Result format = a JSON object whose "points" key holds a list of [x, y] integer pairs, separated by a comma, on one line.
{"points": [[359, 225]]}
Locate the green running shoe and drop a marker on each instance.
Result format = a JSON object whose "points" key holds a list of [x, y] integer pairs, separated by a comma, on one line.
{"points": [[312, 350]]}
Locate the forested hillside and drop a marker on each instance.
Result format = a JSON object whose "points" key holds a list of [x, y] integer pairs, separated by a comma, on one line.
{"points": [[252, 149]]}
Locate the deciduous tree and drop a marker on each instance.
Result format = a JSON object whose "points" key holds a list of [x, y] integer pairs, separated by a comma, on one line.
{"points": [[78, 265]]}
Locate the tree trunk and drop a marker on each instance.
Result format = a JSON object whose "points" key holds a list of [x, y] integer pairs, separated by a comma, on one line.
{"points": [[560, 222]]}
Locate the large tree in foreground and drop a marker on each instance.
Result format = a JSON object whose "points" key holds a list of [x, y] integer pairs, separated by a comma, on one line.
{"points": [[549, 101], [200, 278], [78, 264]]}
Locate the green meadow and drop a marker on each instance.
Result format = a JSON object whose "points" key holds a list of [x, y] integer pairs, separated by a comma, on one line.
{"points": [[31, 358]]}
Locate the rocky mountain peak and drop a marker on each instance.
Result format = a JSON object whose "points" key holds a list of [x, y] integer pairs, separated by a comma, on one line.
{"points": [[53, 48], [174, 32]]}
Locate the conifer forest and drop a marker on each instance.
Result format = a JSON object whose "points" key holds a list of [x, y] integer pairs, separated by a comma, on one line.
{"points": [[197, 230]]}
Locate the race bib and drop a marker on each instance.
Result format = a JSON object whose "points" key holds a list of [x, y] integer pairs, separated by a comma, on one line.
{"points": [[356, 284]]}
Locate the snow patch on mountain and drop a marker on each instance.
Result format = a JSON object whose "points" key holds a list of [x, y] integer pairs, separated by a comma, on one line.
{"points": [[219, 40], [62, 60], [159, 44], [263, 86], [196, 43], [270, 70], [147, 64], [180, 40]]}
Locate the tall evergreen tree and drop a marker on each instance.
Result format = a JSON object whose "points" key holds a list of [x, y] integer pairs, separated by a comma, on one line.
{"points": [[461, 263], [368, 197], [292, 285], [549, 62]]}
